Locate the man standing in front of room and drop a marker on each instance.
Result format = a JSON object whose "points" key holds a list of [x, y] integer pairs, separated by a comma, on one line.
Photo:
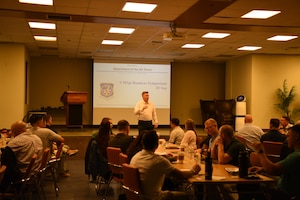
{"points": [[146, 112]]}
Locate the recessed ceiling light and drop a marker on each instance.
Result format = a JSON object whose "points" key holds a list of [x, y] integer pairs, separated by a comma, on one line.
{"points": [[112, 42], [192, 46], [42, 25], [40, 2], [249, 48], [121, 30], [139, 7], [45, 38], [215, 35], [282, 37], [260, 14]]}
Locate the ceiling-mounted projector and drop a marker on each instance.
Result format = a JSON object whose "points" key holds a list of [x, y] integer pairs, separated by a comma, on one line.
{"points": [[174, 36]]}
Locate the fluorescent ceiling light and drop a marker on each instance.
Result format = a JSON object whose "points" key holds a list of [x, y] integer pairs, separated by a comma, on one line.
{"points": [[40, 2], [121, 30], [45, 38], [192, 46], [139, 7], [112, 42], [215, 35], [249, 48], [42, 25], [260, 14], [282, 37]]}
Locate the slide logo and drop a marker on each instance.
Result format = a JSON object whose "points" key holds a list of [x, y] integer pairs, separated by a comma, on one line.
{"points": [[107, 89]]}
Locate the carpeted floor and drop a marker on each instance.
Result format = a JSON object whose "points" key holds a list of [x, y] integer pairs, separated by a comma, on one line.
{"points": [[77, 186]]}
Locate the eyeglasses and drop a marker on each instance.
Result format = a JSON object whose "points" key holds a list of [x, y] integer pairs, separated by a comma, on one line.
{"points": [[209, 127]]}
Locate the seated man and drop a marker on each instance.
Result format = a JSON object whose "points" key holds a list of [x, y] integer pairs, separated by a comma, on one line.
{"points": [[227, 147], [251, 133], [153, 169], [287, 169], [18, 154], [226, 151], [177, 133], [66, 148], [211, 127], [122, 139], [275, 135], [24, 145], [48, 137], [285, 124]]}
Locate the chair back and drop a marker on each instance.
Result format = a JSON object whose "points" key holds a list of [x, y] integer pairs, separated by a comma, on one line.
{"points": [[123, 158], [2, 172], [30, 166], [131, 182], [44, 159], [242, 140], [59, 150], [272, 150], [113, 158], [254, 159]]}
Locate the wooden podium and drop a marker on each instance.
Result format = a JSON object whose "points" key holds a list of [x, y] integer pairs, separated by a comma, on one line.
{"points": [[73, 102]]}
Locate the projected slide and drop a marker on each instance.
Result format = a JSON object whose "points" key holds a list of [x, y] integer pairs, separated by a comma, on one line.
{"points": [[117, 87]]}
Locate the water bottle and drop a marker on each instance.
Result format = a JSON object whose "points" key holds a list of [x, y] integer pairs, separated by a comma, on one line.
{"points": [[208, 166], [243, 164]]}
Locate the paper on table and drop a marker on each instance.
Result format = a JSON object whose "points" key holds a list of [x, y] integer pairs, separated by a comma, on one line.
{"points": [[232, 169], [161, 153], [218, 178]]}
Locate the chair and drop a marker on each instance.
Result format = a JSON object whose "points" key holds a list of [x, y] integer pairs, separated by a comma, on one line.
{"points": [[26, 181], [254, 159], [243, 141], [131, 182], [123, 158], [28, 171], [272, 150], [20, 189], [208, 109], [52, 164], [225, 111], [41, 172], [114, 164], [199, 140], [4, 195]]}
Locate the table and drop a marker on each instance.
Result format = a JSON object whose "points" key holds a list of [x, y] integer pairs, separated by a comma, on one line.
{"points": [[220, 177]]}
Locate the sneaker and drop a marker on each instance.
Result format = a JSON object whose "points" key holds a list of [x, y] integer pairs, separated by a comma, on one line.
{"points": [[72, 152]]}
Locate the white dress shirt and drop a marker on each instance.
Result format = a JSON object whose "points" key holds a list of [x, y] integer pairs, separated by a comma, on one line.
{"points": [[148, 114]]}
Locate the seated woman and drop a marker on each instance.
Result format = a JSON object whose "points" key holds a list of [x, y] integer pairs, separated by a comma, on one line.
{"points": [[190, 136], [96, 156]]}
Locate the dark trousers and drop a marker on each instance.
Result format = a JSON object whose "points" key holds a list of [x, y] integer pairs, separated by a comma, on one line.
{"points": [[145, 125]]}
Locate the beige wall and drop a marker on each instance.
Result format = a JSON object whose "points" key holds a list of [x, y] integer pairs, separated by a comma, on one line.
{"points": [[259, 77], [192, 82], [12, 87], [239, 78], [49, 77]]}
